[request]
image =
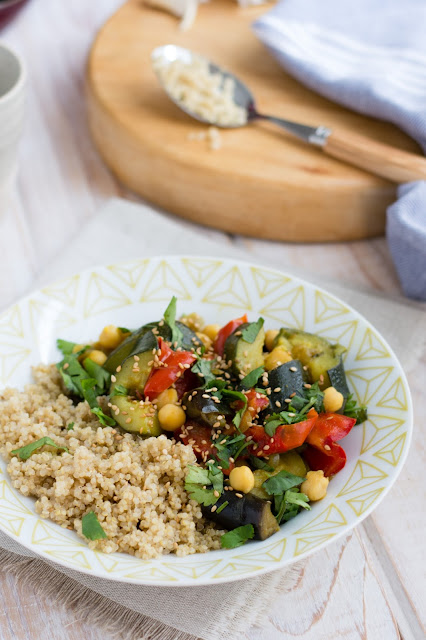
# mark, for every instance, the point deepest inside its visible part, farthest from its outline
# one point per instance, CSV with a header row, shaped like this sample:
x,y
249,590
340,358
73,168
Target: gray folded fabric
x,y
370,56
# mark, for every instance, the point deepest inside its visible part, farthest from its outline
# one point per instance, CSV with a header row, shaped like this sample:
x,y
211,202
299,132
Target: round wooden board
x,y
262,182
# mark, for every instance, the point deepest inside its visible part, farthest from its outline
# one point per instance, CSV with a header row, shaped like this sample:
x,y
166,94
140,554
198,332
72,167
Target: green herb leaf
x,y
271,425
120,390
251,378
203,368
249,334
199,477
280,482
70,427
237,537
90,395
287,506
124,330
258,463
91,527
72,374
231,448
170,319
65,347
222,506
25,452
98,373
353,411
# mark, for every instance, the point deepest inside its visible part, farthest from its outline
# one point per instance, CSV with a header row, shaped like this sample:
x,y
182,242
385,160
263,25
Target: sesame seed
x,y
307,385
136,358
305,368
288,400
128,420
291,415
277,403
239,495
205,395
327,447
216,493
293,368
214,507
292,394
113,379
118,369
277,389
266,447
66,365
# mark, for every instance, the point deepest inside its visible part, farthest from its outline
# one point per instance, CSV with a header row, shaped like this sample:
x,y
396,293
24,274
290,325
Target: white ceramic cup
x,y
12,104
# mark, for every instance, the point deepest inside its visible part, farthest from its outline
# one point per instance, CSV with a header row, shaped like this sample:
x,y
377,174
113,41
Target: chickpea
x,y
193,321
333,400
171,417
169,396
278,356
315,485
204,339
270,336
211,330
99,357
242,479
110,337
78,347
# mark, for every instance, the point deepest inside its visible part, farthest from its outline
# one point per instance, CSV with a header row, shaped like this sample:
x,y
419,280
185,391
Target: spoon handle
x,y
378,158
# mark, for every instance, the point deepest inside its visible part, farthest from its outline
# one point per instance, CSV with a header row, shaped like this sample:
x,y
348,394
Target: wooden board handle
x,y
375,157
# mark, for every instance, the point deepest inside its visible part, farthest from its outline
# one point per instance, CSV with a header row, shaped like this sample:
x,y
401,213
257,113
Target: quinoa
x,y
134,485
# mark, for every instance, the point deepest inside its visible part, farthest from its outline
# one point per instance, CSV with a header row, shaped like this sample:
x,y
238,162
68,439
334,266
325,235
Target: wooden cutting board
x,y
262,182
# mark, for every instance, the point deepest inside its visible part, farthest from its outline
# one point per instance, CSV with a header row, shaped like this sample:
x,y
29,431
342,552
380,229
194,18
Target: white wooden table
x,y
368,585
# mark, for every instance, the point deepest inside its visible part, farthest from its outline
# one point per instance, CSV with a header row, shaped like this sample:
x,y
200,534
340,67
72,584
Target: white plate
x,y
133,293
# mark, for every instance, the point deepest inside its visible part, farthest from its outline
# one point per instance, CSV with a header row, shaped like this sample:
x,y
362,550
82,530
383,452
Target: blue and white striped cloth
x,y
369,55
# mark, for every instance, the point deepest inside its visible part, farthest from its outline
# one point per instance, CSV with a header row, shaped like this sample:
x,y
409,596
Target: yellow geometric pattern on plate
x,y
11,356
307,543
327,308
102,296
394,397
11,323
368,381
41,314
44,533
330,518
362,502
288,309
364,475
130,272
163,284
378,428
13,512
371,347
229,291
66,291
392,452
342,333
193,571
270,553
267,282
236,569
154,574
200,270
76,559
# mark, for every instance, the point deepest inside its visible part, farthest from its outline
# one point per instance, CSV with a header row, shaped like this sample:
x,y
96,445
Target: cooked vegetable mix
x,y
264,411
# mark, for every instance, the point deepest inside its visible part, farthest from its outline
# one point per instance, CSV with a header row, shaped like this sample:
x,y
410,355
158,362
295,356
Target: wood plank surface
x,y
368,585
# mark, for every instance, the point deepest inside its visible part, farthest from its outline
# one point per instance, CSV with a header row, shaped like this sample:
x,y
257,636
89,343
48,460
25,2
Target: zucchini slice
x,y
120,353
190,340
136,418
289,378
245,356
204,410
314,352
135,369
246,510
337,379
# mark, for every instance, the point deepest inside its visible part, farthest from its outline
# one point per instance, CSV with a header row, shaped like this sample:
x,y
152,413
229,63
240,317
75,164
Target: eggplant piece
x,y
337,378
120,353
190,340
245,356
204,410
246,510
288,381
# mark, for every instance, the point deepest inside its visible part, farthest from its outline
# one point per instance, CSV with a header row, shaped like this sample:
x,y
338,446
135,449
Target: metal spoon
x,y
375,157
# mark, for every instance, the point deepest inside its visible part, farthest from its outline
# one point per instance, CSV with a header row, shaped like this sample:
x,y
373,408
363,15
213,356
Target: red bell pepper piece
x,y
225,332
199,437
323,452
255,403
286,437
163,377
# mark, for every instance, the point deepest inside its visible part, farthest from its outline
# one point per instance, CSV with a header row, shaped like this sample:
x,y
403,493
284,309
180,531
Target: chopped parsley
x,y
70,427
258,463
25,452
250,333
288,505
204,484
91,527
280,482
251,378
203,368
170,320
98,373
90,395
237,537
120,390
230,448
353,411
222,506
65,347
